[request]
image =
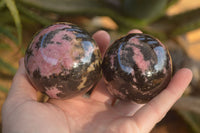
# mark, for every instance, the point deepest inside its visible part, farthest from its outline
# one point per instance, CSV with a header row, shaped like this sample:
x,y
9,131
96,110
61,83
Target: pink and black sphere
x,y
136,67
63,61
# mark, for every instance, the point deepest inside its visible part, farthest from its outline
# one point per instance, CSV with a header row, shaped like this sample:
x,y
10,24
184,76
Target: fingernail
x,y
135,31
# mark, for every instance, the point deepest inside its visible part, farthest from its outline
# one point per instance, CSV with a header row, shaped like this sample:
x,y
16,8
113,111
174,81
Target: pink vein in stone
x,y
54,57
139,59
134,79
53,92
49,29
112,58
164,71
134,40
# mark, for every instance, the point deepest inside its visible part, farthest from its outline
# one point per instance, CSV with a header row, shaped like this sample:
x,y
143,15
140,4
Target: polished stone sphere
x,y
63,61
136,67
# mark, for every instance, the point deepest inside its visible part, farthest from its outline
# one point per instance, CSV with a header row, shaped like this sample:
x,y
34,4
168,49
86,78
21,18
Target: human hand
x,y
22,113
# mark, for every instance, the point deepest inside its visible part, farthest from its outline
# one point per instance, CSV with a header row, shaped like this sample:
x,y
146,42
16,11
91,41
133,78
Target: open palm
x,y
96,114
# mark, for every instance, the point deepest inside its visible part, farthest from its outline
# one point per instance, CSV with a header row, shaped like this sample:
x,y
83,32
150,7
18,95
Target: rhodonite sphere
x,y
63,61
136,67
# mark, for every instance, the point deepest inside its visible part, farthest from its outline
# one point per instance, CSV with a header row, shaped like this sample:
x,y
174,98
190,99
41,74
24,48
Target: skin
x,y
23,114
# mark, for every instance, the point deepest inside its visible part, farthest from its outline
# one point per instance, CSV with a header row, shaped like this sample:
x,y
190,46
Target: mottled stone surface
x,y
63,61
136,67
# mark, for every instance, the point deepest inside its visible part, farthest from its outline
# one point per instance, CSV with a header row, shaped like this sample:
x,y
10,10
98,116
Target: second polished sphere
x,y
136,67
